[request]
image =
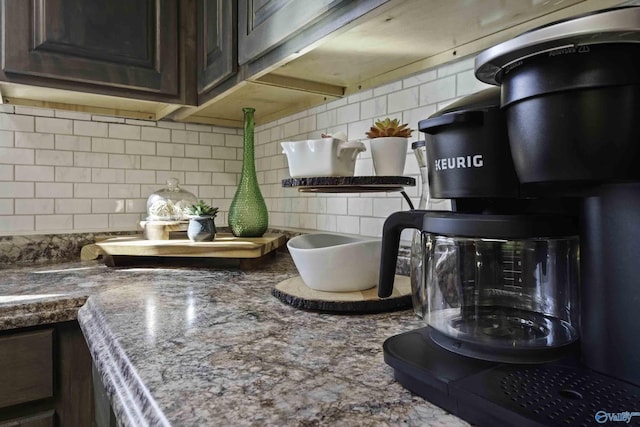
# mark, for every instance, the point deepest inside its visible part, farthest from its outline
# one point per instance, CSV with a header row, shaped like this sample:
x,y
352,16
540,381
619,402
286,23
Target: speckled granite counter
x,y
196,347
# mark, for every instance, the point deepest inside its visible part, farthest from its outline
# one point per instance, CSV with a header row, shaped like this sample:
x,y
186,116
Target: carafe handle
x,y
391,231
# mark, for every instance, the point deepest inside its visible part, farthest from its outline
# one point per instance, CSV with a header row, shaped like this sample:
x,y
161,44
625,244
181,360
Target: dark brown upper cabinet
x,y
216,42
264,24
118,47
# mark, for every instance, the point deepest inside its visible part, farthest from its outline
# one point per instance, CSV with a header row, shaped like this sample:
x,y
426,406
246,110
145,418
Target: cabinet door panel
x,y
119,44
263,24
27,367
217,42
42,419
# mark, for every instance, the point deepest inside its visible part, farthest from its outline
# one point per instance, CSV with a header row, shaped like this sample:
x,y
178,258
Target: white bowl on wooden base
x,y
336,263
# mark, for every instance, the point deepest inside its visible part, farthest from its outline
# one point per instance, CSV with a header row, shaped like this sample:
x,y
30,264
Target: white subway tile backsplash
x,y
155,162
34,206
198,127
67,174
234,166
123,161
90,128
54,190
90,191
371,226
212,139
90,222
120,131
373,108
140,147
17,156
323,120
124,221
438,90
419,79
16,224
135,205
54,222
6,138
183,164
16,190
73,143
403,100
198,178
94,160
348,224
33,140
105,206
156,134
34,173
467,84
54,157
225,153
17,123
73,206
100,175
170,125
49,125
348,113
388,88
383,207
197,151
124,191
6,207
6,172
107,145
360,206
169,150
139,177
185,136
86,172
211,165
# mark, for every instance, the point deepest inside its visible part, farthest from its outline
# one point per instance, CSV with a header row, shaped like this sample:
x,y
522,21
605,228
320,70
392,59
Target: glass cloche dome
x,y
169,203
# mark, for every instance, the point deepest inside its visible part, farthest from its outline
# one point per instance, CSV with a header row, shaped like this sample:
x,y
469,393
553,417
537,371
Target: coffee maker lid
x,y
466,110
615,25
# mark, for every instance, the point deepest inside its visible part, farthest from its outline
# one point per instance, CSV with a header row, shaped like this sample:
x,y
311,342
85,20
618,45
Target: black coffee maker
x,y
533,281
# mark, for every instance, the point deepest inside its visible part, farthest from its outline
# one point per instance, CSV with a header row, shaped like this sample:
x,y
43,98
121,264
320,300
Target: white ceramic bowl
x,y
335,263
321,157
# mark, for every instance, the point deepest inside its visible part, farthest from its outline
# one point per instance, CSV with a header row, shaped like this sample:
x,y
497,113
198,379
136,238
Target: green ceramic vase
x,y
248,216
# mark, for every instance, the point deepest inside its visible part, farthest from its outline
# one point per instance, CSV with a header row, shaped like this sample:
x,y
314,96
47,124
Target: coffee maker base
x,y
489,394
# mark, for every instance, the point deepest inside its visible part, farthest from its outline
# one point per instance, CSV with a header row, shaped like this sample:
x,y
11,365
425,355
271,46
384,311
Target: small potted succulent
x,y
389,145
201,226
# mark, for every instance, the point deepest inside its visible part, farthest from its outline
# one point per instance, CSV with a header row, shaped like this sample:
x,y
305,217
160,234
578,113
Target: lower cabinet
x,y
45,377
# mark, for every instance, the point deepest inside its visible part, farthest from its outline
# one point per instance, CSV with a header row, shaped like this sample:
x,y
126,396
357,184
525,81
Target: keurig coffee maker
x,y
532,282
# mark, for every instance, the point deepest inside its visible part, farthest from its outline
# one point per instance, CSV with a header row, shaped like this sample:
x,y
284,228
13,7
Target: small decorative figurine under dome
x,y
170,203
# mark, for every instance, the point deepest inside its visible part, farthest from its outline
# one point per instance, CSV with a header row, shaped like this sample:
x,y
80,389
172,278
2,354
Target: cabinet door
x,y
107,47
216,42
26,367
263,24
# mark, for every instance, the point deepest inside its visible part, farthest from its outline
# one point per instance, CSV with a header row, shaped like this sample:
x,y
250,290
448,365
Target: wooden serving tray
x,y
118,251
295,292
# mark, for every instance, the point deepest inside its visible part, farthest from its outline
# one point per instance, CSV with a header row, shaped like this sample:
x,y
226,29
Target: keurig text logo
x,y
474,161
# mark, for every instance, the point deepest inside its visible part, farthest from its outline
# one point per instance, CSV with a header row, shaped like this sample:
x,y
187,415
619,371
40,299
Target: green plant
x,y
202,209
388,127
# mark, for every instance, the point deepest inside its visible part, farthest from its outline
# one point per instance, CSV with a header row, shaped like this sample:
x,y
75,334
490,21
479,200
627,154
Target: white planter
x,y
389,155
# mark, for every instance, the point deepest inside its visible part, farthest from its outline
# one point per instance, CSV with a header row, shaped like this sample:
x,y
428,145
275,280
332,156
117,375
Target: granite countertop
x,y
199,346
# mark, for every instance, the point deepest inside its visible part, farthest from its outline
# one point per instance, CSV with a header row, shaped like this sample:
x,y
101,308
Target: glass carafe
x,y
418,249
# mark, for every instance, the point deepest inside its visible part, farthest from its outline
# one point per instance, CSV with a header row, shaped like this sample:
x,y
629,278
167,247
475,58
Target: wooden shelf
x,y
350,184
